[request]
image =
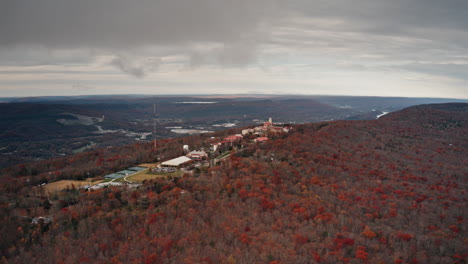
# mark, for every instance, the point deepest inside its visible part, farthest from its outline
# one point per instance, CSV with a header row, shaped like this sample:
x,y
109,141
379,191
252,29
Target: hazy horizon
x,y
214,96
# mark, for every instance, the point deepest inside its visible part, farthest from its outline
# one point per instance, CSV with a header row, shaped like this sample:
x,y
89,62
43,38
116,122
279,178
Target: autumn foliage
x,y
382,191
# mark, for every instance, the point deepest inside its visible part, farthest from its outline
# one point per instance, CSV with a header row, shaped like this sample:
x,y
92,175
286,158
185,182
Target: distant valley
x,y
47,127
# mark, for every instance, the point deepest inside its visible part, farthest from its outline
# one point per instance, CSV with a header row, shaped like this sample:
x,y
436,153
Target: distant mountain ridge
x,y
328,99
37,128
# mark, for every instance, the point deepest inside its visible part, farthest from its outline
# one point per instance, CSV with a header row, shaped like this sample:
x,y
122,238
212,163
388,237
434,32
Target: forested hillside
x,y
392,190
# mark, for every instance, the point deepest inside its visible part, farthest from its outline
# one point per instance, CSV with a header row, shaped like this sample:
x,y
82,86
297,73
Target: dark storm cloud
x,y
136,28
126,67
135,69
124,23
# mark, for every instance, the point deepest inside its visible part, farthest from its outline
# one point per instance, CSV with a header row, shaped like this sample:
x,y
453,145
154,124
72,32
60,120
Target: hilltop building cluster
x,y
267,127
261,132
256,135
230,141
221,149
195,155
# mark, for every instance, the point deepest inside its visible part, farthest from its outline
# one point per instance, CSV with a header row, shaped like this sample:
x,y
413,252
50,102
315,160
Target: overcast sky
x,y
416,48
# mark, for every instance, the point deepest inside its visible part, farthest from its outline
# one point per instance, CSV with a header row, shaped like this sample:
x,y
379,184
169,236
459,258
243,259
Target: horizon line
x,y
227,95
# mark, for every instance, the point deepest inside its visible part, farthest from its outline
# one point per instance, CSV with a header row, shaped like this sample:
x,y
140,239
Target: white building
x,y
176,162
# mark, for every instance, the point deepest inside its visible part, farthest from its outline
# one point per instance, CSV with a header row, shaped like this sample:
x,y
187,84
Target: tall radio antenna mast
x,y
154,126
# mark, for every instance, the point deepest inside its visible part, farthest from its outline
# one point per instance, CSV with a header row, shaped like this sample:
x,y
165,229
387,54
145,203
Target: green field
x,y
146,175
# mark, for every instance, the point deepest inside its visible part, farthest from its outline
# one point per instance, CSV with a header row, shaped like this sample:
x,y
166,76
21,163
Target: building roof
x,y
177,161
260,139
233,138
197,152
45,219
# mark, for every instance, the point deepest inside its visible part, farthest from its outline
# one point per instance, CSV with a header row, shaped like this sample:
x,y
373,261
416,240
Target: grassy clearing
x,y
139,177
62,185
107,180
76,151
148,165
129,178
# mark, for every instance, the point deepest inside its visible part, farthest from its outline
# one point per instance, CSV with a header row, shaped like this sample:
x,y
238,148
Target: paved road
x,y
125,179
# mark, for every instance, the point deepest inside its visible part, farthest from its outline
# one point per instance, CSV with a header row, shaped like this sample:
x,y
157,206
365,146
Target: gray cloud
x,y
126,67
135,69
123,24
142,27
459,71
238,26
142,36
236,54
383,16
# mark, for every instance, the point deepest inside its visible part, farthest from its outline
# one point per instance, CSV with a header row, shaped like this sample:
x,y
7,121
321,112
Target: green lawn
x,y
146,175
